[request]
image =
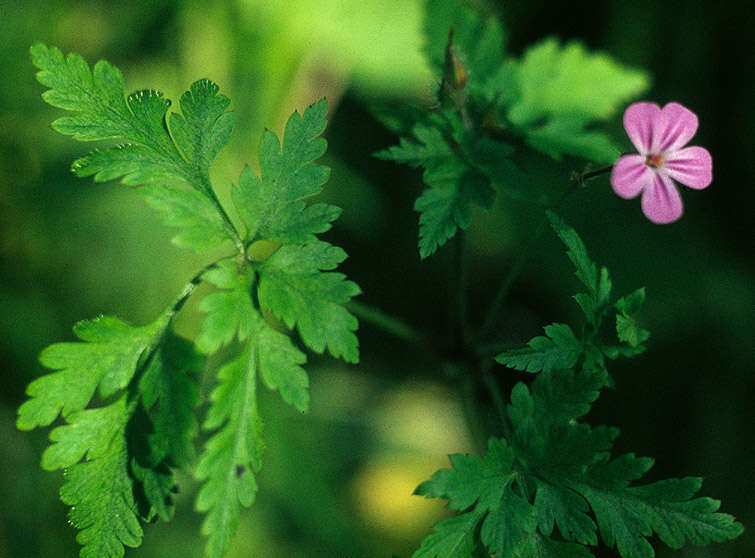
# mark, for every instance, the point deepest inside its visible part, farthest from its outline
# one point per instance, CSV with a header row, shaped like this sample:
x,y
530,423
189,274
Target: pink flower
x,y
660,135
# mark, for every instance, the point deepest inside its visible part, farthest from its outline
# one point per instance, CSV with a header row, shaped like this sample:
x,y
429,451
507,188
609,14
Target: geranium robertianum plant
x,y
548,484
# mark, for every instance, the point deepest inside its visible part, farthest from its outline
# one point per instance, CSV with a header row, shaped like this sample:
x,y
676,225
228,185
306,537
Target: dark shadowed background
x,y
338,481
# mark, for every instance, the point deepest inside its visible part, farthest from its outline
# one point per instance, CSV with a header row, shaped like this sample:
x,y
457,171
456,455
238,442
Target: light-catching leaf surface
x,y
165,159
272,206
107,357
295,285
562,90
233,454
100,490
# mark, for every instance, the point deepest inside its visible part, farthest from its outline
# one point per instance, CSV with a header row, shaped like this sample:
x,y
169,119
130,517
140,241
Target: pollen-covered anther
x,y
655,161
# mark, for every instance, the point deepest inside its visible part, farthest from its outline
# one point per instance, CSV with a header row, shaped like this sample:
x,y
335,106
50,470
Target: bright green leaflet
x,y
548,100
163,161
107,357
570,89
297,284
120,458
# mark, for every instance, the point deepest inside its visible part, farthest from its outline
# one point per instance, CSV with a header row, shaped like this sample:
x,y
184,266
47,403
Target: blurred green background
x,y
337,481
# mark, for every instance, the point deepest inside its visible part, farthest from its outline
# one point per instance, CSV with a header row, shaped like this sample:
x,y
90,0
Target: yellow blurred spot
x,y
425,417
383,495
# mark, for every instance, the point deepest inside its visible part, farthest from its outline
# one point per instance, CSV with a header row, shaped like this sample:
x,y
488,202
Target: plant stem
x,y
459,296
593,174
385,322
498,401
207,187
521,260
508,282
189,289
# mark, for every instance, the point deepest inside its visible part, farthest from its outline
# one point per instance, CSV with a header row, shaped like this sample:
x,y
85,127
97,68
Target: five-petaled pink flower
x,y
660,135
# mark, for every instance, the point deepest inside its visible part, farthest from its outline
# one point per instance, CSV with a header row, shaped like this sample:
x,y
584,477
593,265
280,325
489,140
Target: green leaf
x,y
280,367
452,538
230,311
454,184
151,156
562,90
201,227
626,514
205,127
233,454
169,395
484,488
508,525
627,328
295,288
271,206
559,350
100,489
568,510
568,462
107,357
598,284
472,479
158,487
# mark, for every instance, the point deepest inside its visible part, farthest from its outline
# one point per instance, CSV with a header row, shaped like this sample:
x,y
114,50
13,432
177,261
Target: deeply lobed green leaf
x,y
233,454
295,288
99,490
560,349
107,356
165,160
562,90
271,206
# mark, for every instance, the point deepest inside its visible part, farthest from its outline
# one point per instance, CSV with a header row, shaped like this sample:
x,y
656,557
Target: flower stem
x,y
385,322
592,174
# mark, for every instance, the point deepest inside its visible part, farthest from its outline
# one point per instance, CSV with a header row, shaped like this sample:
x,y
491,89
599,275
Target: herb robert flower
x,y
659,134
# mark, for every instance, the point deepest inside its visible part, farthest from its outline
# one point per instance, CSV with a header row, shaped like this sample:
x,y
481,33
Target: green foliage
x,y
572,473
562,90
555,470
295,288
169,395
107,358
100,490
491,485
272,206
233,454
165,154
489,102
598,284
451,161
558,350
120,457
577,487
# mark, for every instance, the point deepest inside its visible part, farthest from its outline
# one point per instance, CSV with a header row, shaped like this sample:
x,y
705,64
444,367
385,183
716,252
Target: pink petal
x,y
692,166
639,120
630,175
673,128
661,202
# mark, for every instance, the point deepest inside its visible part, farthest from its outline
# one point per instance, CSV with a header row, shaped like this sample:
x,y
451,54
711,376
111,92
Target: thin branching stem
x,y
385,322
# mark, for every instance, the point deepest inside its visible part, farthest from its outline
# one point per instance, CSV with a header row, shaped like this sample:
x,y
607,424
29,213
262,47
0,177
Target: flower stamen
x,y
655,161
